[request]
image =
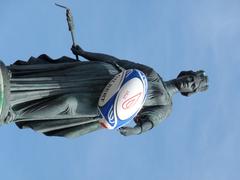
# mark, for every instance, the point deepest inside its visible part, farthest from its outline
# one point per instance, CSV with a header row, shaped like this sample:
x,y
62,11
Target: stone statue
x,y
59,97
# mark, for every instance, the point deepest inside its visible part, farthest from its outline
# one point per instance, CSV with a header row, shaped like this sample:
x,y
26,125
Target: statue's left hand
x,y
127,131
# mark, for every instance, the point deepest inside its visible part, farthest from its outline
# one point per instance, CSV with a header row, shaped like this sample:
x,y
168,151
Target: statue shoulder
x,y
154,76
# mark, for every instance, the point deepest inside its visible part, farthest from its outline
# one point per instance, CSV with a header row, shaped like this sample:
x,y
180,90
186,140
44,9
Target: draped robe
x,y
59,97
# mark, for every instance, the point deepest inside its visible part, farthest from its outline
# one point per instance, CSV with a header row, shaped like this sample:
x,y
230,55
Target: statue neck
x,y
171,87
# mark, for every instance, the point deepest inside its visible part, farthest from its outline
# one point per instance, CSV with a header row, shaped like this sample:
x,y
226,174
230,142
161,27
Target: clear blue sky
x,y
199,141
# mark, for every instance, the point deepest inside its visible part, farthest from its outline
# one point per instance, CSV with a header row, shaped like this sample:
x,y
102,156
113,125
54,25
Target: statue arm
x,y
148,118
77,50
119,63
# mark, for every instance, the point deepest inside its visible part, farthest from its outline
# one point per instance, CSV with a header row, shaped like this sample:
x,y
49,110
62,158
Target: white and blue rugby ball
x,y
122,98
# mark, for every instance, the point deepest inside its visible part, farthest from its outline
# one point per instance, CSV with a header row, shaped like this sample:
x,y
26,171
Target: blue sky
x,y
200,140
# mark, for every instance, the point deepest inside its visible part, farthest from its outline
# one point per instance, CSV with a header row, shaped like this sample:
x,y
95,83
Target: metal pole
x,y
70,24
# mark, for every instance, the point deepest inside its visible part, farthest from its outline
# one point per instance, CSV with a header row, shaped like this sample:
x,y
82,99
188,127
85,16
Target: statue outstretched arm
x,y
119,63
77,50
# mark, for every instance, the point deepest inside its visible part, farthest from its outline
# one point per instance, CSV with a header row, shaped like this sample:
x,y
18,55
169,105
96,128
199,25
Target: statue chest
x,y
157,95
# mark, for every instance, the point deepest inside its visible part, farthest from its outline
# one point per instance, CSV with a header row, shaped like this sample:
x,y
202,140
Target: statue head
x,y
190,82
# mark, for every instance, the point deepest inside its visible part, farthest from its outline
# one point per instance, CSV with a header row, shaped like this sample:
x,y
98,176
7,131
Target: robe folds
x,y
59,97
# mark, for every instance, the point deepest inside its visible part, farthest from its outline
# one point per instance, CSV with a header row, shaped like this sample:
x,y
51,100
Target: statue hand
x,y
127,131
77,50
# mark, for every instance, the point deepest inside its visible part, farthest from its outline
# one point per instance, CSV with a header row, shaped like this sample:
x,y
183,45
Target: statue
x,y
59,97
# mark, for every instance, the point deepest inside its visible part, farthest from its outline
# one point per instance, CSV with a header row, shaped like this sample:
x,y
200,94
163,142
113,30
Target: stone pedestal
x,y
4,92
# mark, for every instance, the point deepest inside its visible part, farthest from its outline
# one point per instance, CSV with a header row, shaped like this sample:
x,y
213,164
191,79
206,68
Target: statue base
x,y
4,92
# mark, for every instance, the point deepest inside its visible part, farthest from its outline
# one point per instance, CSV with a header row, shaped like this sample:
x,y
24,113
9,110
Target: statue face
x,y
187,83
190,82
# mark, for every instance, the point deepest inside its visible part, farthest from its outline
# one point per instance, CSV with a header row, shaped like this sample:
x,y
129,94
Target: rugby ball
x,y
122,98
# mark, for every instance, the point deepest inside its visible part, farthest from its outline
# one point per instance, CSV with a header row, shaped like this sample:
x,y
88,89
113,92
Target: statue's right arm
x,y
125,64
77,50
